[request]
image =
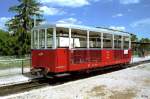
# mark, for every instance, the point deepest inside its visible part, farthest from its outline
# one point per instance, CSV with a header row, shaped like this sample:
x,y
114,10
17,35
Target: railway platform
x,y
13,79
139,59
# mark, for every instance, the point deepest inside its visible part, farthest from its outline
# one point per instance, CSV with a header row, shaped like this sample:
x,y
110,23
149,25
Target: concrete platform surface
x,y
139,59
13,79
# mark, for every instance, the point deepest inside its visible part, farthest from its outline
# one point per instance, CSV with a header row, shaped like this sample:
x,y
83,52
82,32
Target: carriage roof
x,y
82,27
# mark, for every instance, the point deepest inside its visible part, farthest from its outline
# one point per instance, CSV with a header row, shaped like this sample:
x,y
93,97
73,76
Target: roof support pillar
x,y
70,38
113,41
54,38
122,42
129,42
38,36
101,40
88,32
45,38
32,36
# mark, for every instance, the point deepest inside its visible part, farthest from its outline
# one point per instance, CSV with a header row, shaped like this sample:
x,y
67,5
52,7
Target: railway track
x,y
42,82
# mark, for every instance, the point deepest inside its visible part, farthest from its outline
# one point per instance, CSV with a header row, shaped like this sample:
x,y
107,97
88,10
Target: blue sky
x,y
128,15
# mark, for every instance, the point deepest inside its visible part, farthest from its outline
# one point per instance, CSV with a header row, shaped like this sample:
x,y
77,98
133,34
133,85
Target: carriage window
x,y
126,42
94,40
79,38
117,41
42,38
62,37
35,39
107,40
49,38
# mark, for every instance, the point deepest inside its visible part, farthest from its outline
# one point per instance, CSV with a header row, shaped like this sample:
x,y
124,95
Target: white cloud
x,y
67,3
129,1
124,2
122,28
141,23
51,11
69,21
117,15
3,21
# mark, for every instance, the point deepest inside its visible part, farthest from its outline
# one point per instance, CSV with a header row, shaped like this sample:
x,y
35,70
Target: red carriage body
x,y
63,48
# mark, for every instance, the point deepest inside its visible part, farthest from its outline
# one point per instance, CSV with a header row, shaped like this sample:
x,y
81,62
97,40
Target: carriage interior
x,y
44,39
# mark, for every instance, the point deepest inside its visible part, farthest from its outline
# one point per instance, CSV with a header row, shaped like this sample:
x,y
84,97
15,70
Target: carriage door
x,y
62,49
61,60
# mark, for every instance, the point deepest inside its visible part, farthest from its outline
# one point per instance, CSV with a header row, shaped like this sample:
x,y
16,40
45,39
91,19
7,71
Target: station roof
x,y
82,27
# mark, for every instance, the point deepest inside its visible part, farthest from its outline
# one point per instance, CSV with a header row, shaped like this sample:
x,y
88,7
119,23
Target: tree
x,y
7,43
3,38
144,46
134,38
22,23
145,40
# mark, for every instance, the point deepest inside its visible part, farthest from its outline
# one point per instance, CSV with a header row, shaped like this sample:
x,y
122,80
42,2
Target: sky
x,y
127,15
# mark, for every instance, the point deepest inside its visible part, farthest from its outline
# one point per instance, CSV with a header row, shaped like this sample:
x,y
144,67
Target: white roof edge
x,y
82,27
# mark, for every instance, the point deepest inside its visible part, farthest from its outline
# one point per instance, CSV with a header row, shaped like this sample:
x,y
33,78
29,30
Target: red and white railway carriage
x,y
59,48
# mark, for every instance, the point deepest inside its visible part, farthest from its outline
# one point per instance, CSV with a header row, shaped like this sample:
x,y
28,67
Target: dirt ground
x,y
130,83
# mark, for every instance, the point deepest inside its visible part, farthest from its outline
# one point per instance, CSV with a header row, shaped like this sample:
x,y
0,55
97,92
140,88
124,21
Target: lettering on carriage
x,y
107,55
125,51
41,54
88,65
60,67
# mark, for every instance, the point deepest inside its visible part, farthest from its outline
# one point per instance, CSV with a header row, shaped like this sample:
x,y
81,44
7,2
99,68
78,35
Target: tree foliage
x,y
22,23
6,43
134,38
145,47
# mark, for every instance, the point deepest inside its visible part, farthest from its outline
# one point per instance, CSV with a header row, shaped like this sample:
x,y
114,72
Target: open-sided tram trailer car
x,y
59,48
